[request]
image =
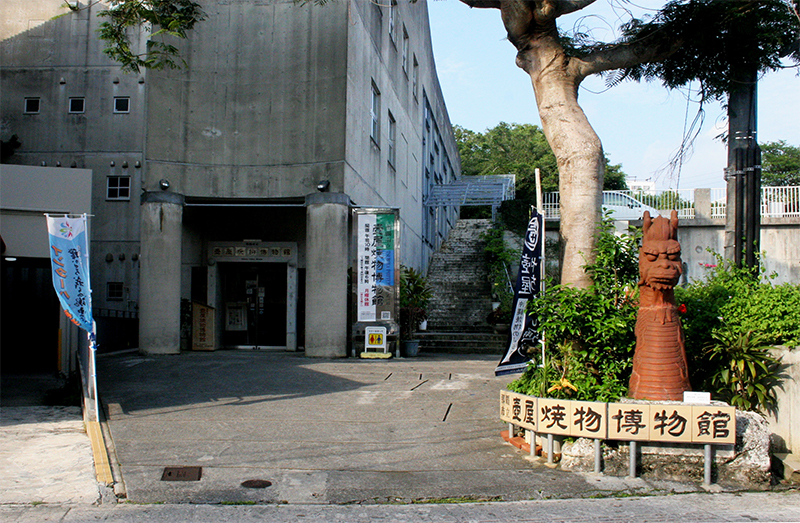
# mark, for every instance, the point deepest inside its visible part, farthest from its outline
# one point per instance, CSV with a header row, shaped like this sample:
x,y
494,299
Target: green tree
x,y
709,41
780,164
519,149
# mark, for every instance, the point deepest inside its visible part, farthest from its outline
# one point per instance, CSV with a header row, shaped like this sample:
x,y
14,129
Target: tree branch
x,y
570,6
483,4
622,55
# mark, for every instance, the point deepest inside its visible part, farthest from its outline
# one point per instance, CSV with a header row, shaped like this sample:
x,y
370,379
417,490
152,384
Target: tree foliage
x,y
519,149
780,164
163,18
715,42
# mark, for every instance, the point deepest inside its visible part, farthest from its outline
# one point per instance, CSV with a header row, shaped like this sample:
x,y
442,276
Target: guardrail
x,y
776,202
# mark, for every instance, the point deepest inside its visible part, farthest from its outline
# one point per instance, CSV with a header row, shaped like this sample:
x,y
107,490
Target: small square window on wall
x,y
31,106
77,105
118,188
115,291
122,104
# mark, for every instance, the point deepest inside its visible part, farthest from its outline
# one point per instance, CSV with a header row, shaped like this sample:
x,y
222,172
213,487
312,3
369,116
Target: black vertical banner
x,y
523,335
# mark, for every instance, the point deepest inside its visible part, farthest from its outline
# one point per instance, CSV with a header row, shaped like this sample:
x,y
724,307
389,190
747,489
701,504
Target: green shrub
x,y
590,332
738,300
745,374
415,295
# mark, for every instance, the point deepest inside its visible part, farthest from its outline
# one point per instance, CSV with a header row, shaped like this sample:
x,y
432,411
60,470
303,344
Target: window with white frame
x,y
122,104
405,50
392,141
32,106
375,115
77,105
118,188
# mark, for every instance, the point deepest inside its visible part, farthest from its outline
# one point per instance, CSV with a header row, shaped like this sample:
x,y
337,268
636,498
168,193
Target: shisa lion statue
x,y
659,364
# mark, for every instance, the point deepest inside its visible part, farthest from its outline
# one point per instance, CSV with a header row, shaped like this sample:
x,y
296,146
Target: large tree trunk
x,y
576,147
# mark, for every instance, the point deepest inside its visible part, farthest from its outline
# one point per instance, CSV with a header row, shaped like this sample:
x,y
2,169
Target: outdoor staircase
x,y
461,295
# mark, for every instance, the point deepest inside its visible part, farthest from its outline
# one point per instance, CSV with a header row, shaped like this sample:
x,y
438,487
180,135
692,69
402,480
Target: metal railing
x,y
776,202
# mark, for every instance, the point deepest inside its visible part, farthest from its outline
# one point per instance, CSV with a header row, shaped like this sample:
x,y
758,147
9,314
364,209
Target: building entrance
x,y
254,295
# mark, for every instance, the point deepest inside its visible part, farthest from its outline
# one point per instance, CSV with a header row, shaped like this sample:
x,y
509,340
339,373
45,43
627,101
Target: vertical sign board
x,y
518,409
202,327
377,265
523,333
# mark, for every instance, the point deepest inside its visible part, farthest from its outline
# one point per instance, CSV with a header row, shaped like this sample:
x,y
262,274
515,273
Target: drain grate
x,y
182,474
256,483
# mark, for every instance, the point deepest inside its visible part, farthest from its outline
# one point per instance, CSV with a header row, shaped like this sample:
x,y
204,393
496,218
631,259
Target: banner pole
x,y
540,208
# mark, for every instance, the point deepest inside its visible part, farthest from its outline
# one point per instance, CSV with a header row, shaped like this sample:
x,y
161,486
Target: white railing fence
x,y
776,202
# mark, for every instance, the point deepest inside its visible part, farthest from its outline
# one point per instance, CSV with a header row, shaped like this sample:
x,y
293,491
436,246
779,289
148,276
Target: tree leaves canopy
x,y
519,149
780,164
161,17
714,42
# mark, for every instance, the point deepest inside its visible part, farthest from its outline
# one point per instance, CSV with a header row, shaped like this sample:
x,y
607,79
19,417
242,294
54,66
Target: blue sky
x,y
640,125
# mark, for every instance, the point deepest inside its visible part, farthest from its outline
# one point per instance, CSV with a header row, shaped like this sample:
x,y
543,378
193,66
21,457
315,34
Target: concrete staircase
x,y
461,295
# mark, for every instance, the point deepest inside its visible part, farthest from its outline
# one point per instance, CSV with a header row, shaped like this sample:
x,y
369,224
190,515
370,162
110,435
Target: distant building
x,y
641,186
230,182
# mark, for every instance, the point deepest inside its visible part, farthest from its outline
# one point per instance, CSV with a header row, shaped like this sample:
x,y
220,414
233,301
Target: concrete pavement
x,y
331,440
747,507
324,431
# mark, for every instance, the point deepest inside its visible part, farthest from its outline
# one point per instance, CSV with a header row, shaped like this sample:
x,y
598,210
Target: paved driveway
x,y
321,431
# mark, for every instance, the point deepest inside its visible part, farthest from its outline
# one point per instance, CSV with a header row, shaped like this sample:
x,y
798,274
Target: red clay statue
x,y
659,363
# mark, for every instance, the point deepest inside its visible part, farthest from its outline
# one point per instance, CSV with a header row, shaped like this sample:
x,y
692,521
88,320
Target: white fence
x,y
776,202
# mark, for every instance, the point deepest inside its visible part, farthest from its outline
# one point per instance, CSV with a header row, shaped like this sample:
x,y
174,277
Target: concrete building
x,y
35,337
231,182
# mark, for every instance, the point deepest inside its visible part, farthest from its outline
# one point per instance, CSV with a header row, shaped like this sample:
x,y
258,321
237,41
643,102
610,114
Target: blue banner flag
x,y
524,335
69,258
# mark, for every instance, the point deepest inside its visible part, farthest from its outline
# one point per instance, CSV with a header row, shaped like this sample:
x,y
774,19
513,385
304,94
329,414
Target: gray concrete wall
x,y
376,57
55,59
27,192
259,109
785,424
780,245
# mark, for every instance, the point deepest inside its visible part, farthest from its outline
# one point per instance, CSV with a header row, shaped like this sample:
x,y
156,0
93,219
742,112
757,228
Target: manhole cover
x,y
256,483
182,474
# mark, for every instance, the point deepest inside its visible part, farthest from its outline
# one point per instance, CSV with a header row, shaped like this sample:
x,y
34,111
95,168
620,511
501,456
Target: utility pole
x,y
743,175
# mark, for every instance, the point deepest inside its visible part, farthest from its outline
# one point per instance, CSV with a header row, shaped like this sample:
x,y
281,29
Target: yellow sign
x,y
375,338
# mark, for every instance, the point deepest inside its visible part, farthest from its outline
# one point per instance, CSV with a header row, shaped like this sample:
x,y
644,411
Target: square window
x,y
31,106
77,105
122,104
115,291
118,188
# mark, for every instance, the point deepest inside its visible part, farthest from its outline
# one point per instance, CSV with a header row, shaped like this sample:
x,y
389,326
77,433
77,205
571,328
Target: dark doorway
x,y
254,296
29,318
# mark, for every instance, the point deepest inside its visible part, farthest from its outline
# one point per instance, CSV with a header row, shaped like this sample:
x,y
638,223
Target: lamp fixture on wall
x,y
164,184
324,186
